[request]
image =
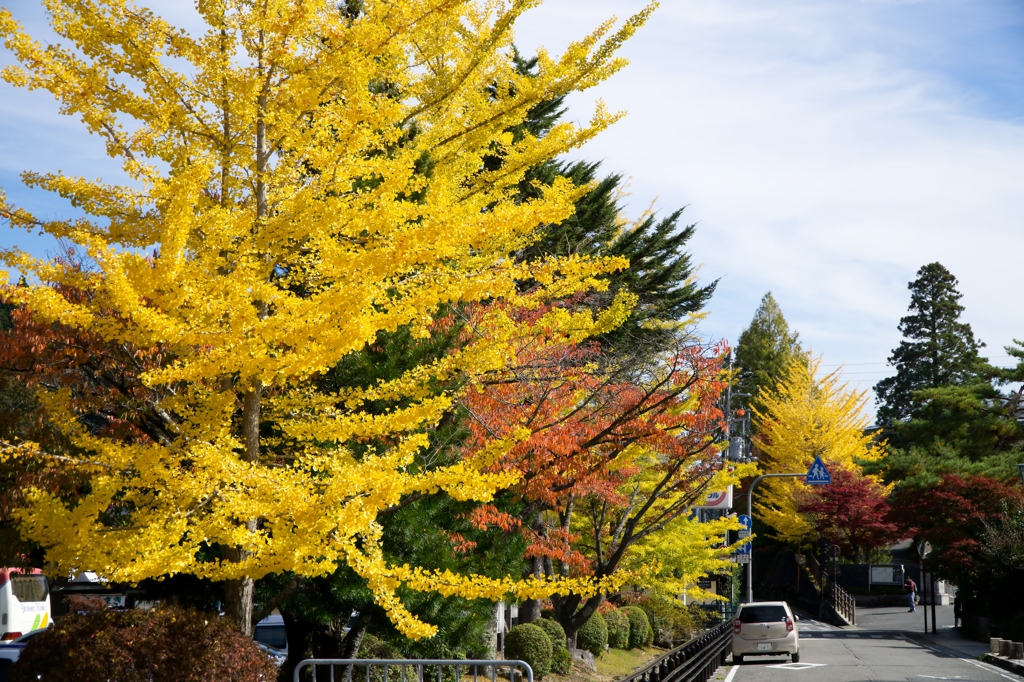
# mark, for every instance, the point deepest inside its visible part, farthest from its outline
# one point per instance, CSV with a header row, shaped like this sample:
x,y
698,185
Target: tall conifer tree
x,y
937,349
763,352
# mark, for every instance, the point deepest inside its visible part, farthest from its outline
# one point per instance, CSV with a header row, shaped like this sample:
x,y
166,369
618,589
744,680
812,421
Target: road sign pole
x,y
817,474
750,513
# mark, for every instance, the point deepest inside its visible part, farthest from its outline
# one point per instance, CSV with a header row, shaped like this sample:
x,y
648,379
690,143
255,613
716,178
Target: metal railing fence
x,y
695,661
412,670
843,604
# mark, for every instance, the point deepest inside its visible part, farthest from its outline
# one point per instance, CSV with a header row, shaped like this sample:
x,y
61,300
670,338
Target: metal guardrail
x,y
695,661
412,670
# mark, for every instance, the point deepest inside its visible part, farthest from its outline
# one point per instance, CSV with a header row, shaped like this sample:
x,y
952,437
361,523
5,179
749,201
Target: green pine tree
x,y
941,412
937,349
763,351
661,272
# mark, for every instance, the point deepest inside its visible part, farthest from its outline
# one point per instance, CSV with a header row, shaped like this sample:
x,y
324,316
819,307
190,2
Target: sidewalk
x,y
891,618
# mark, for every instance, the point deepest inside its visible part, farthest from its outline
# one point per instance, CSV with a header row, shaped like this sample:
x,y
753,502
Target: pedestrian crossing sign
x,y
818,474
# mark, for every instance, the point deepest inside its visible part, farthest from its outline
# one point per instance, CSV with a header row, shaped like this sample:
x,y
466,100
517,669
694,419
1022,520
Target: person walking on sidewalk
x,y
911,589
958,609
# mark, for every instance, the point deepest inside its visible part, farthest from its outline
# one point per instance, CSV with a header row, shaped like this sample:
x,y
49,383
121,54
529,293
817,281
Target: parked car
x,y
765,628
270,632
9,652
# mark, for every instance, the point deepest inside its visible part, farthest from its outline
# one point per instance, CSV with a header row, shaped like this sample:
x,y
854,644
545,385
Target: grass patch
x,y
616,663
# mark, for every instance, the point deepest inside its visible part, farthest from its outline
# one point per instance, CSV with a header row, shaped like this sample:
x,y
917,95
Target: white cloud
x,y
825,157
828,149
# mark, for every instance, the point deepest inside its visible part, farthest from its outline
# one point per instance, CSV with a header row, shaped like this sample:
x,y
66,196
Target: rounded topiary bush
x,y
661,622
166,645
593,635
528,642
561,661
640,632
553,630
618,628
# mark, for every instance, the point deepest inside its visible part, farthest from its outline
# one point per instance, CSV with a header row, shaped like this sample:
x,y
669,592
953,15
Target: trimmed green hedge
x,y
618,628
640,632
553,630
528,642
593,635
561,661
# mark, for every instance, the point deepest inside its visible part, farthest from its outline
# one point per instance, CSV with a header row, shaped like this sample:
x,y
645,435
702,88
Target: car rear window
x,y
29,587
762,614
271,635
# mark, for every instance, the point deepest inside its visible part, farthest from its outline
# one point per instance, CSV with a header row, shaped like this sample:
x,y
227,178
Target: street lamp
x,y
1021,467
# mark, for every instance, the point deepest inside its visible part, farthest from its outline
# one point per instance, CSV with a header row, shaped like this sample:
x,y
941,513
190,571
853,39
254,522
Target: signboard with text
x,y
717,500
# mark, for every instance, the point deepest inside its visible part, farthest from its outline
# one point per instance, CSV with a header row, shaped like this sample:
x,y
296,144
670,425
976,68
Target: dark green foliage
x,y
1013,628
167,645
528,642
660,271
618,628
763,352
593,635
640,632
941,412
561,661
554,631
937,348
660,616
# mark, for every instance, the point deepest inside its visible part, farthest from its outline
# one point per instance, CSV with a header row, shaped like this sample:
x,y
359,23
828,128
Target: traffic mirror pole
x,y
750,513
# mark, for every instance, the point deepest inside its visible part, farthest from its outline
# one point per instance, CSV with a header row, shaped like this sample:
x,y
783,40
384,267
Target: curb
x,y
1004,663
952,651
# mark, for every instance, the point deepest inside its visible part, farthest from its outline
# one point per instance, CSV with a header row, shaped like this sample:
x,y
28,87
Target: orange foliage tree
x,y
611,450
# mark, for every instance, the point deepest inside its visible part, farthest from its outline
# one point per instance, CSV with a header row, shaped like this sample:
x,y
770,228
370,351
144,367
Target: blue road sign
x,y
745,547
818,474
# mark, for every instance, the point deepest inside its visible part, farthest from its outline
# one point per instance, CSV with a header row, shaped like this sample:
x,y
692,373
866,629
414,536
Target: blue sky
x,y
826,150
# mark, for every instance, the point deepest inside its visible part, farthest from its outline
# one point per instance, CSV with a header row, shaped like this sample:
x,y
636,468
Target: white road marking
x,y
991,668
732,673
932,677
797,666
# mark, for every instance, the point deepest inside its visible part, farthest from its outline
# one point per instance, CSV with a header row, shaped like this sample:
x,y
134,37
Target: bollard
x,y
993,645
1005,647
1018,650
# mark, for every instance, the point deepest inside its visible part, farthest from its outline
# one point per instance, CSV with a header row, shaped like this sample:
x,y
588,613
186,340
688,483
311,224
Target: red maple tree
x,y
952,515
852,513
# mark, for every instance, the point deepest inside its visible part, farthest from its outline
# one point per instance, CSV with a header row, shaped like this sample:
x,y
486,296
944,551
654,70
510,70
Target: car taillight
x,y
10,635
789,624
736,626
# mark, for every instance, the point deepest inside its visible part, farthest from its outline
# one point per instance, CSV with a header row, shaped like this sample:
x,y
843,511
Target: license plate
x,y
764,647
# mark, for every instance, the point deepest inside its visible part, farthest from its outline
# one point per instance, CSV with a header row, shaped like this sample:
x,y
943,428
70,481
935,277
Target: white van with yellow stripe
x,y
24,602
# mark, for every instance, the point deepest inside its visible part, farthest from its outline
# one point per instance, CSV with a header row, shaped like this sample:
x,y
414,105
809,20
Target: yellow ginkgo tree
x,y
806,416
298,178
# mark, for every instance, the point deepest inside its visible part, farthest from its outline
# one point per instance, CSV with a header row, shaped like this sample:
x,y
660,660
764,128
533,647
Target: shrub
x,y
618,628
554,632
167,645
528,642
561,661
671,620
593,635
660,616
640,633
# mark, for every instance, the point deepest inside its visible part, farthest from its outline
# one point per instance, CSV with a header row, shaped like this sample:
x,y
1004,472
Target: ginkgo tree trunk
x,y
297,179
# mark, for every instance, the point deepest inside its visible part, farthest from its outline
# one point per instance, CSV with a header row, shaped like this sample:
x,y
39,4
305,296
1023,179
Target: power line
x,y
861,364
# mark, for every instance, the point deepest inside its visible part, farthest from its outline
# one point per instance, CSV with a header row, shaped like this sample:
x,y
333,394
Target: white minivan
x,y
24,602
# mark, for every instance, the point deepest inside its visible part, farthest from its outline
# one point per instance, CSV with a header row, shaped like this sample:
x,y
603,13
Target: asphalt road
x,y
859,656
